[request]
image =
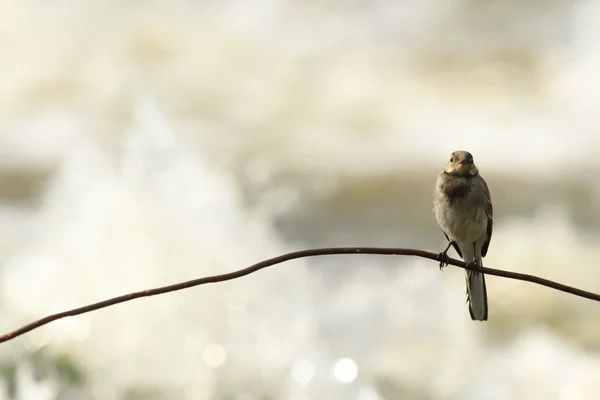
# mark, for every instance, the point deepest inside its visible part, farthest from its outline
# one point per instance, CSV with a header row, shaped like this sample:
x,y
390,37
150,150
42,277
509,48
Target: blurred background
x,y
143,143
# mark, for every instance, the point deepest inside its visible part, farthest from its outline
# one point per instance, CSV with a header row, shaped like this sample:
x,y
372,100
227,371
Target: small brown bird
x,y
463,209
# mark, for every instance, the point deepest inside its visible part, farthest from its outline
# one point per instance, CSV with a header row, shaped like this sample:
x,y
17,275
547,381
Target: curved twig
x,y
287,257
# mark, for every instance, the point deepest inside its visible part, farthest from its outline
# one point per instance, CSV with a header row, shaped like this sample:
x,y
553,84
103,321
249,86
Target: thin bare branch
x,y
287,257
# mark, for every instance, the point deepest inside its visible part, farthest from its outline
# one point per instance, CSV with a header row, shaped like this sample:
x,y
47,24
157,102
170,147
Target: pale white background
x,y
144,143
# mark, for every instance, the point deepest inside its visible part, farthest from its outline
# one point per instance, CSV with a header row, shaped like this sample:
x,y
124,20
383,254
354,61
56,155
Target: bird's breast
x,y
456,188
459,210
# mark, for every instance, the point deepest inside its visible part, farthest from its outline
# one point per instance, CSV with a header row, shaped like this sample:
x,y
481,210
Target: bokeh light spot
x,y
345,370
214,355
302,371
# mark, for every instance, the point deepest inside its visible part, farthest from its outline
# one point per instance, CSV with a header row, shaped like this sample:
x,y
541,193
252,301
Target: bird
x,y
463,209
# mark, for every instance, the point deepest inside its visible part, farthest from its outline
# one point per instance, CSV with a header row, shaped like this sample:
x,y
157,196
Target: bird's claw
x,y
474,267
443,259
443,256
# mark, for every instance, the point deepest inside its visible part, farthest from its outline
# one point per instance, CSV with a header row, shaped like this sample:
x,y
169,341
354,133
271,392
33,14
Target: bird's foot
x,y
475,267
443,256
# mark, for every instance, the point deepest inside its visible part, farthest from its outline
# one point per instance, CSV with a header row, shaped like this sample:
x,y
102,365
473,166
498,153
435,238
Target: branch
x,y
287,257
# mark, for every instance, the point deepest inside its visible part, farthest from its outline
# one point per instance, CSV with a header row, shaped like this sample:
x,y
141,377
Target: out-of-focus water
x,y
147,143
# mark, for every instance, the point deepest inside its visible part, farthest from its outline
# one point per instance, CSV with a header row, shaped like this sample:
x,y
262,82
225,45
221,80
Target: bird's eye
x,y
451,159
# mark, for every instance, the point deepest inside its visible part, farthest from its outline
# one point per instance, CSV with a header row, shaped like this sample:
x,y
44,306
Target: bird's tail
x,y
477,296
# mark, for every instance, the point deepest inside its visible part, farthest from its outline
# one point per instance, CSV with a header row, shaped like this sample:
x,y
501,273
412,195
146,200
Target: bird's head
x,y
461,164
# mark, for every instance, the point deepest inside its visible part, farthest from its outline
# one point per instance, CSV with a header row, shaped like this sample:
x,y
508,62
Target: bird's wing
x,y
453,245
489,212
